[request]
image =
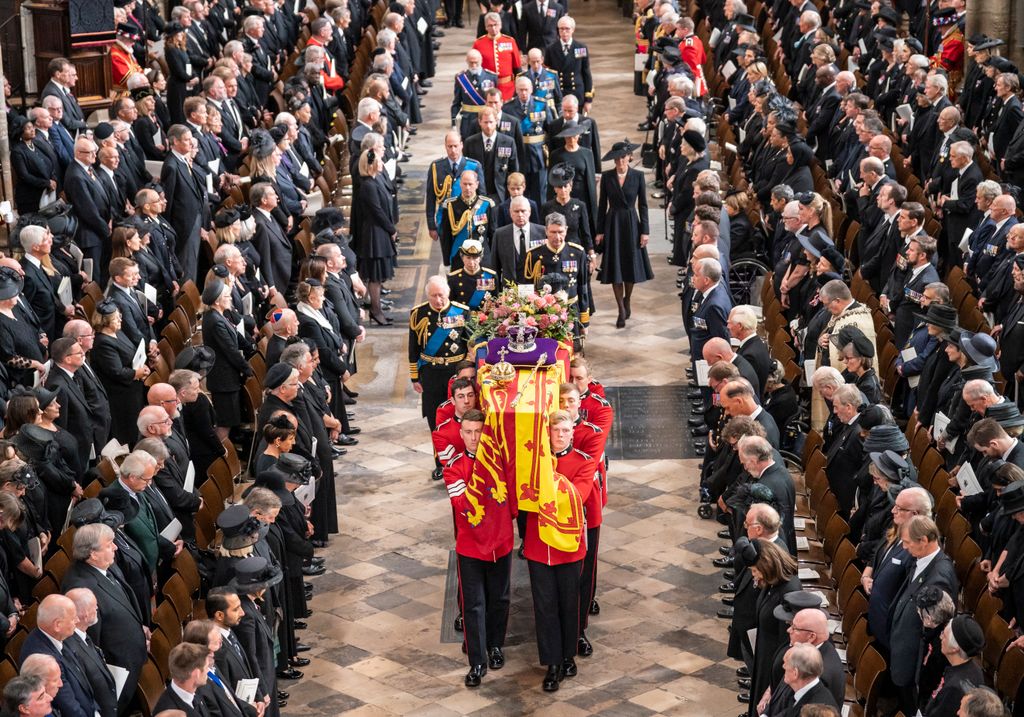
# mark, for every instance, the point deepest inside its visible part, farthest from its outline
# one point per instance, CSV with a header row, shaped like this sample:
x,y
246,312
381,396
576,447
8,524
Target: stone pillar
x,y
998,18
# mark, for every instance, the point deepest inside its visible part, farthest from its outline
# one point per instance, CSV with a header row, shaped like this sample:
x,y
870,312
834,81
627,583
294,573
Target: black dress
x,y
584,184
112,362
145,129
19,343
622,224
178,76
225,379
374,224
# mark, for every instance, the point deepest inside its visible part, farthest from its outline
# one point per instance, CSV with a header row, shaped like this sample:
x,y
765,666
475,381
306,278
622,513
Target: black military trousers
x,y
556,606
485,590
588,575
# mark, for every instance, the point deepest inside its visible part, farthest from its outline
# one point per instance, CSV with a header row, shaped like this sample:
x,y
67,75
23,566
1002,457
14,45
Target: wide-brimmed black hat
x,y
890,463
940,315
10,283
239,528
213,291
815,243
620,149
1011,500
119,503
573,130
196,358
44,395
969,373
1006,414
886,437
794,602
888,14
743,21
253,574
980,347
989,43
1001,64
561,175
296,468
92,510
226,217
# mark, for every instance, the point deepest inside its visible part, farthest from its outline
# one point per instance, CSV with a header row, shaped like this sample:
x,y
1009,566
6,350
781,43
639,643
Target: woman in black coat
x,y
623,228
316,324
111,359
148,128
181,75
230,369
373,222
199,419
741,234
775,574
581,160
799,159
21,339
35,167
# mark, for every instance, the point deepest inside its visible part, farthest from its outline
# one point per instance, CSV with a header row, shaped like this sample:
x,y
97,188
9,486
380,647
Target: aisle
x,y
376,627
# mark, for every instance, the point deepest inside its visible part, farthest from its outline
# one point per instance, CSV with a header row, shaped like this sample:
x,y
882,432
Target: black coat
x,y
276,250
169,700
34,170
501,161
539,30
95,669
90,205
112,361
777,477
187,210
844,458
770,635
257,640
134,321
756,353
504,256
229,366
75,414
905,628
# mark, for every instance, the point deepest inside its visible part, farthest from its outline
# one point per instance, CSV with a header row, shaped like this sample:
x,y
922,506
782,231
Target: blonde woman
x,y
373,224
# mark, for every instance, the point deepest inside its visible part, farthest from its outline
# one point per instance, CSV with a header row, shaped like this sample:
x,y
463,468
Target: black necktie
x,y
522,242
233,641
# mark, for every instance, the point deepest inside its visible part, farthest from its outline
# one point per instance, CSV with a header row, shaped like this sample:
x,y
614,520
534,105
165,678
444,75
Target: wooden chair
x,y
159,650
185,566
869,678
57,565
212,497
220,473
998,636
13,647
1010,673
8,669
178,594
47,585
166,618
151,686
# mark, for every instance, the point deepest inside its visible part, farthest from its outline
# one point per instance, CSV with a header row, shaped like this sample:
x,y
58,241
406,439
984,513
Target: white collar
x,y
317,316
805,689
188,697
54,641
33,260
924,562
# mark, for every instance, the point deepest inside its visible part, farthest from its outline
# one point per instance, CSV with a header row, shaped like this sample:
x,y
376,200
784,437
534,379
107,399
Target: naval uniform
x,y
572,63
437,341
570,260
459,220
470,289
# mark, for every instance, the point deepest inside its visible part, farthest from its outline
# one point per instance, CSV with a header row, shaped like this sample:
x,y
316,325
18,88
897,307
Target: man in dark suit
x,y
989,246
845,454
758,459
270,239
957,198
1008,115
821,111
170,478
187,206
55,622
120,630
63,78
540,24
187,665
87,197
718,349
48,127
124,277
709,316
902,296
40,290
929,566
877,250
496,153
76,415
803,667
508,251
95,393
79,644
742,325
224,608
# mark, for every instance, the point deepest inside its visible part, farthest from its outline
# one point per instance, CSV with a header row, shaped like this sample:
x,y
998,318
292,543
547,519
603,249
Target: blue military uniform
x,y
708,318
443,183
469,99
458,221
545,87
532,118
470,289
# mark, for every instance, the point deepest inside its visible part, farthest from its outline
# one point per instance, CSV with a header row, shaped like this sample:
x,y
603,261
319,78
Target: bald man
x,y
810,626
285,325
95,393
56,620
92,208
719,349
165,396
89,657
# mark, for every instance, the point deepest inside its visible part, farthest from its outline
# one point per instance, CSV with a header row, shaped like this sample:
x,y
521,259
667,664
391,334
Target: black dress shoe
x,y
347,441
459,624
552,678
438,33
729,575
338,452
521,553
699,431
426,83
742,671
725,534
583,646
282,695
299,624
290,674
727,588
743,697
744,683
298,662
495,658
348,400
722,562
476,672
725,550
695,421
353,431
309,594
438,474
595,609
700,451
728,600
317,543
314,570
569,667
694,394
725,612
349,415
281,704
301,647
308,613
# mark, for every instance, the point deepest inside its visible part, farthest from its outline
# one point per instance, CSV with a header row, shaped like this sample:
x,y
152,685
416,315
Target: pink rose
x,y
550,300
530,321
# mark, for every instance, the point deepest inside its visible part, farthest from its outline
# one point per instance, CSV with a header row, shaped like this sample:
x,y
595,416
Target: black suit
x,y
41,294
112,359
170,700
756,354
95,669
75,415
187,210
276,250
505,256
99,403
134,322
540,30
118,630
777,478
844,458
816,695
1008,119
257,640
73,118
90,204
497,164
75,697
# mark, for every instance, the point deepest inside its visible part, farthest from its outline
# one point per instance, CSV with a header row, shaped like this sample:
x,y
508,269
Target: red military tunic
x,y
596,409
579,468
596,386
950,56
590,439
331,79
692,51
446,410
492,538
501,56
447,440
122,64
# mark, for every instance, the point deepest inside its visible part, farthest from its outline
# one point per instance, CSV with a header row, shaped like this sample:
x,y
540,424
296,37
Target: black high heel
x,y
386,321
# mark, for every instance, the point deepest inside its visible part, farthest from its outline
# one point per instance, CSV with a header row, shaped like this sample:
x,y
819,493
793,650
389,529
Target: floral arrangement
x,y
545,311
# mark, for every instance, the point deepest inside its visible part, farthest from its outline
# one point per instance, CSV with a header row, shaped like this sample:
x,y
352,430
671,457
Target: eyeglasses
x,y
169,400
901,509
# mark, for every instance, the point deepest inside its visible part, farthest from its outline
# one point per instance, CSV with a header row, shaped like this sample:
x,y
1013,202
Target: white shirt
x,y
184,695
54,641
923,563
803,690
917,271
33,260
1009,450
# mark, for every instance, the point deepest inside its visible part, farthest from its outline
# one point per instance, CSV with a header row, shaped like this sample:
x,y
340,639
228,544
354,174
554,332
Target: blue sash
x,y
467,231
456,188
440,333
471,92
478,296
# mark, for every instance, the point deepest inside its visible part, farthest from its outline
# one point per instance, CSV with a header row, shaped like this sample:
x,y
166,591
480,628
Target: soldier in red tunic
x,y
122,58
692,51
446,437
485,565
500,55
463,369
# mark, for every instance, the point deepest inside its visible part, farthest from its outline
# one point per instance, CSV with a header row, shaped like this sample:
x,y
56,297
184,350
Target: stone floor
x,y
376,628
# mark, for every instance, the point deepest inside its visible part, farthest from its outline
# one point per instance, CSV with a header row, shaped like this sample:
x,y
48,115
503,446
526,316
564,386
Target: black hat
x,y
213,291
815,244
91,510
980,347
989,43
834,257
36,434
328,218
44,395
261,144
914,44
940,315
239,529
744,21
890,463
968,634
976,371
695,139
220,271
888,14
886,43
794,602
573,130
977,38
226,217
944,16
928,596
845,336
671,55
620,149
278,132
863,346
104,130
1011,500
1001,64
126,30
295,467
277,375
253,574
561,175
873,415
25,476
886,437
742,48
173,28
196,358
1006,414
10,283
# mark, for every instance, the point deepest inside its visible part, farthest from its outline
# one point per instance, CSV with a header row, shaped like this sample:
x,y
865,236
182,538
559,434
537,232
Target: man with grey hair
x,y
998,296
171,478
121,631
26,696
709,308
802,667
955,203
511,243
758,458
557,256
55,622
39,291
80,644
50,672
742,325
86,195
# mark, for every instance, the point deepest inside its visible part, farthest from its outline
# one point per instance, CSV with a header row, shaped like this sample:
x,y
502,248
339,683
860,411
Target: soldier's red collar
x,y
565,451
